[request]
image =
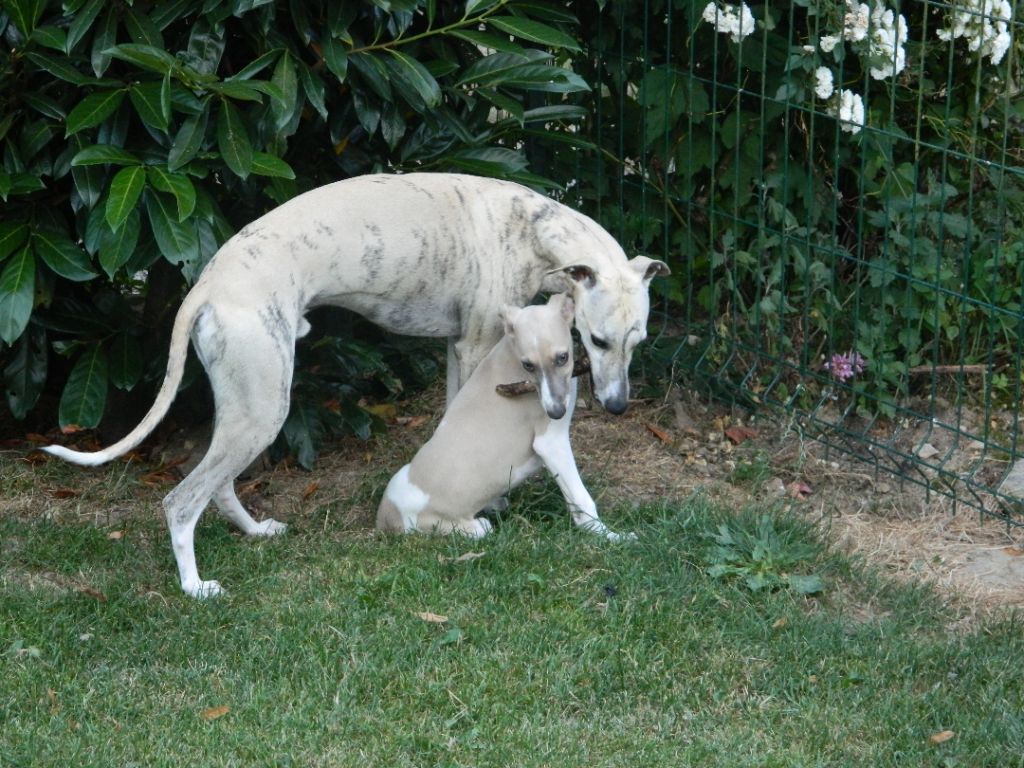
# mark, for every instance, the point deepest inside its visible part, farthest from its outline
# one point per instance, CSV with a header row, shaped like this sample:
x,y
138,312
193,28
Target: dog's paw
x,y
202,590
483,526
613,536
269,528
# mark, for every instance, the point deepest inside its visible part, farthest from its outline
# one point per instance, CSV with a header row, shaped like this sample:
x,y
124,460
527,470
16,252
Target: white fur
x,y
407,497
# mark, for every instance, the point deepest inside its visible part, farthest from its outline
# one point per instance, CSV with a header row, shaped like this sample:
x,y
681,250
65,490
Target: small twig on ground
x,y
976,368
579,367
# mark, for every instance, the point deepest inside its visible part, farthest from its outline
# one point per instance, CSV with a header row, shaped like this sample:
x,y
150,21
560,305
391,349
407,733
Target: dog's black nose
x,y
616,405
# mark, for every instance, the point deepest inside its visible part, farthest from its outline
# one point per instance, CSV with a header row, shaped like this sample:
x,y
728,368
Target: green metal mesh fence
x,y
840,193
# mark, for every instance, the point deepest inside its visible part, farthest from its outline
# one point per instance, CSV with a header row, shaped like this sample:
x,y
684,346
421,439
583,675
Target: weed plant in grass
x,y
557,649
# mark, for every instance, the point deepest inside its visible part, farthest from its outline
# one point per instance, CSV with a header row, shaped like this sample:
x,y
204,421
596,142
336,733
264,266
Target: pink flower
x,y
846,366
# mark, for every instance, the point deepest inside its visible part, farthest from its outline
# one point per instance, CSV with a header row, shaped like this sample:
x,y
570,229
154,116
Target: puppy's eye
x,y
528,366
599,342
561,358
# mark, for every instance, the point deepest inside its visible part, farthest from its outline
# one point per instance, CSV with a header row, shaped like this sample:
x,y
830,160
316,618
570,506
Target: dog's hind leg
x,y
249,362
231,508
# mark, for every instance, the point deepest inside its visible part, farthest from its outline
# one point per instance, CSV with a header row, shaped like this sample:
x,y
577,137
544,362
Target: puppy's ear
x,y
564,304
580,274
649,268
568,309
508,315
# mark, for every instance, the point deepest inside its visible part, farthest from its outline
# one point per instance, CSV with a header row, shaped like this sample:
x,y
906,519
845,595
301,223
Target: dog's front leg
x,y
555,451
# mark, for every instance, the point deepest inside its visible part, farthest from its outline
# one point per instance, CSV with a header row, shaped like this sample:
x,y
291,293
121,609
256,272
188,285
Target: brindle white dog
x,y
420,254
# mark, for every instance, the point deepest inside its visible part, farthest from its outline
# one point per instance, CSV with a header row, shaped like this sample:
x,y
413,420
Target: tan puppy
x,y
487,444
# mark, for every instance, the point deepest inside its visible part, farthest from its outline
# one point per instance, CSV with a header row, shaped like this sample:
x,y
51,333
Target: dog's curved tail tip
x,y
83,458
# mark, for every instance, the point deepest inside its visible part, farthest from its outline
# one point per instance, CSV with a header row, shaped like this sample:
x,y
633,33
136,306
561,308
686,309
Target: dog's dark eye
x,y
528,366
561,358
599,343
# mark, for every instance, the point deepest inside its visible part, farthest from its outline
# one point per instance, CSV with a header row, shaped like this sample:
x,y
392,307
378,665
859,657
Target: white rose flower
x,y
823,86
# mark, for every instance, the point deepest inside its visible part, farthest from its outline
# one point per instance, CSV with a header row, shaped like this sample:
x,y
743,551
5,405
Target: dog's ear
x,y
580,274
508,315
649,268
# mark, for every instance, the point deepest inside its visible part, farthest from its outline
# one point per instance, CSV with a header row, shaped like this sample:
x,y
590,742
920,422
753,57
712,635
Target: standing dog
x,y
420,254
487,444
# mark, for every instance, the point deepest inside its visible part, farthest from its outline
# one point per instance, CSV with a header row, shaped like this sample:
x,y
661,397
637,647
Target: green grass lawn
x,y
558,650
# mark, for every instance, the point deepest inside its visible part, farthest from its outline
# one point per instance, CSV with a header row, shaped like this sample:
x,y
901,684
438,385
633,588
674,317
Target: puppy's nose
x,y
556,411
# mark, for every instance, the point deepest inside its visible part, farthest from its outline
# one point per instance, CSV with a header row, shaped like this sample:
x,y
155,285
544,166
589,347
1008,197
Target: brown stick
x,y
919,369
580,366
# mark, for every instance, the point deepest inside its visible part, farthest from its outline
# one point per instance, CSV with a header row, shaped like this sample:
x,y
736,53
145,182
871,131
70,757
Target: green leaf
x,y
488,40
152,102
83,20
117,247
25,374
472,6
314,88
177,184
59,68
103,38
555,112
489,161
534,31
805,585
93,110
13,235
101,154
125,189
269,165
257,65
373,72
392,126
124,356
188,141
416,76
205,46
25,14
62,256
17,294
335,57
493,68
176,240
44,105
142,30
145,56
50,37
506,103
85,394
233,140
285,79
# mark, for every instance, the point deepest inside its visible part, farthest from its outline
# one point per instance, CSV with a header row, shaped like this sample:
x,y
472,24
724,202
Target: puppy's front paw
x,y
269,527
613,536
202,590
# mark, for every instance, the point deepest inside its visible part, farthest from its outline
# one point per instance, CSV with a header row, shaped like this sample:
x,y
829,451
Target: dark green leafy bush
x,y
136,137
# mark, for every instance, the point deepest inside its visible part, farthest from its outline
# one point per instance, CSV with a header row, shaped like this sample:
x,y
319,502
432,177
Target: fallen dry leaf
x,y
310,489
463,558
93,592
115,535
941,736
37,439
780,622
799,491
413,422
54,704
738,435
63,493
386,411
1013,551
214,712
659,433
433,618
70,429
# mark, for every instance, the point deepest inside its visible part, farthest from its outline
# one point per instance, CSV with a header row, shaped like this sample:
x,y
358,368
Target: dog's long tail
x,y
176,355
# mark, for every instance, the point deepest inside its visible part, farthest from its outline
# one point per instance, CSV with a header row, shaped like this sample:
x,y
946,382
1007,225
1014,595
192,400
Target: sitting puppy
x,y
487,444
